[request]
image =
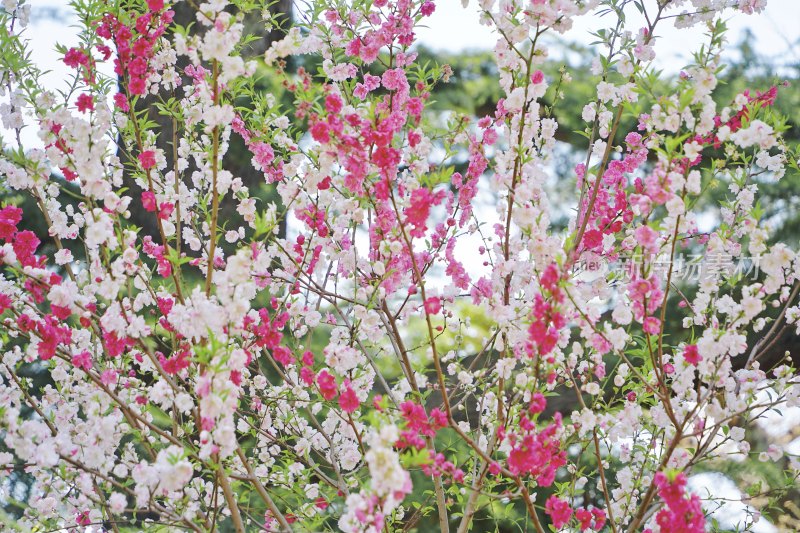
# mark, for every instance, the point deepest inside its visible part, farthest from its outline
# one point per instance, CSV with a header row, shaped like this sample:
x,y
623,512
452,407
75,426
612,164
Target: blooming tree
x,y
398,354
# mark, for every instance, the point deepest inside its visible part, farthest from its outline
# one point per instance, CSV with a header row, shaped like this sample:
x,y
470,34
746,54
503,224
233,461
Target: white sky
x,y
453,28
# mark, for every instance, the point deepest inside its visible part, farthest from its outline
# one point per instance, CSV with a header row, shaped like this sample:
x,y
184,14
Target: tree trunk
x,y
238,158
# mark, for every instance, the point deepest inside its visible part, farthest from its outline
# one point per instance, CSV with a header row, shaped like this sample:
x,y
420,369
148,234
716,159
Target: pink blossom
x,y
549,277
418,210
320,132
113,344
25,244
395,80
165,210
592,239
681,514
307,375
147,159
162,362
82,360
438,419
433,305
85,102
10,216
590,519
652,325
5,303
52,335
149,201
108,377
646,237
537,453
691,355
558,510
538,403
137,86
76,57
283,355
137,67
177,363
263,154
348,400
333,103
326,384
121,102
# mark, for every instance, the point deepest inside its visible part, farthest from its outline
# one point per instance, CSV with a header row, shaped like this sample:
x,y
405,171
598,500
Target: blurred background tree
x,y
263,29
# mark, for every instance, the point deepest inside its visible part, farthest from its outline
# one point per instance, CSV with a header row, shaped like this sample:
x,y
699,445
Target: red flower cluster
x,y
135,45
560,513
537,453
327,385
307,372
547,320
267,333
155,251
314,218
534,452
691,355
348,400
165,209
760,100
82,360
418,210
433,305
52,334
179,361
81,59
440,466
147,159
85,102
611,210
558,510
419,425
263,153
10,216
591,518
681,514
24,242
5,302
115,345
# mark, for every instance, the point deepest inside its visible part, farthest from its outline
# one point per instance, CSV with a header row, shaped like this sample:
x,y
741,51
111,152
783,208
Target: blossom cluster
x,y
401,354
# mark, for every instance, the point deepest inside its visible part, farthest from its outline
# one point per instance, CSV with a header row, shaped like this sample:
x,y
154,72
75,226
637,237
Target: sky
x,y
453,28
